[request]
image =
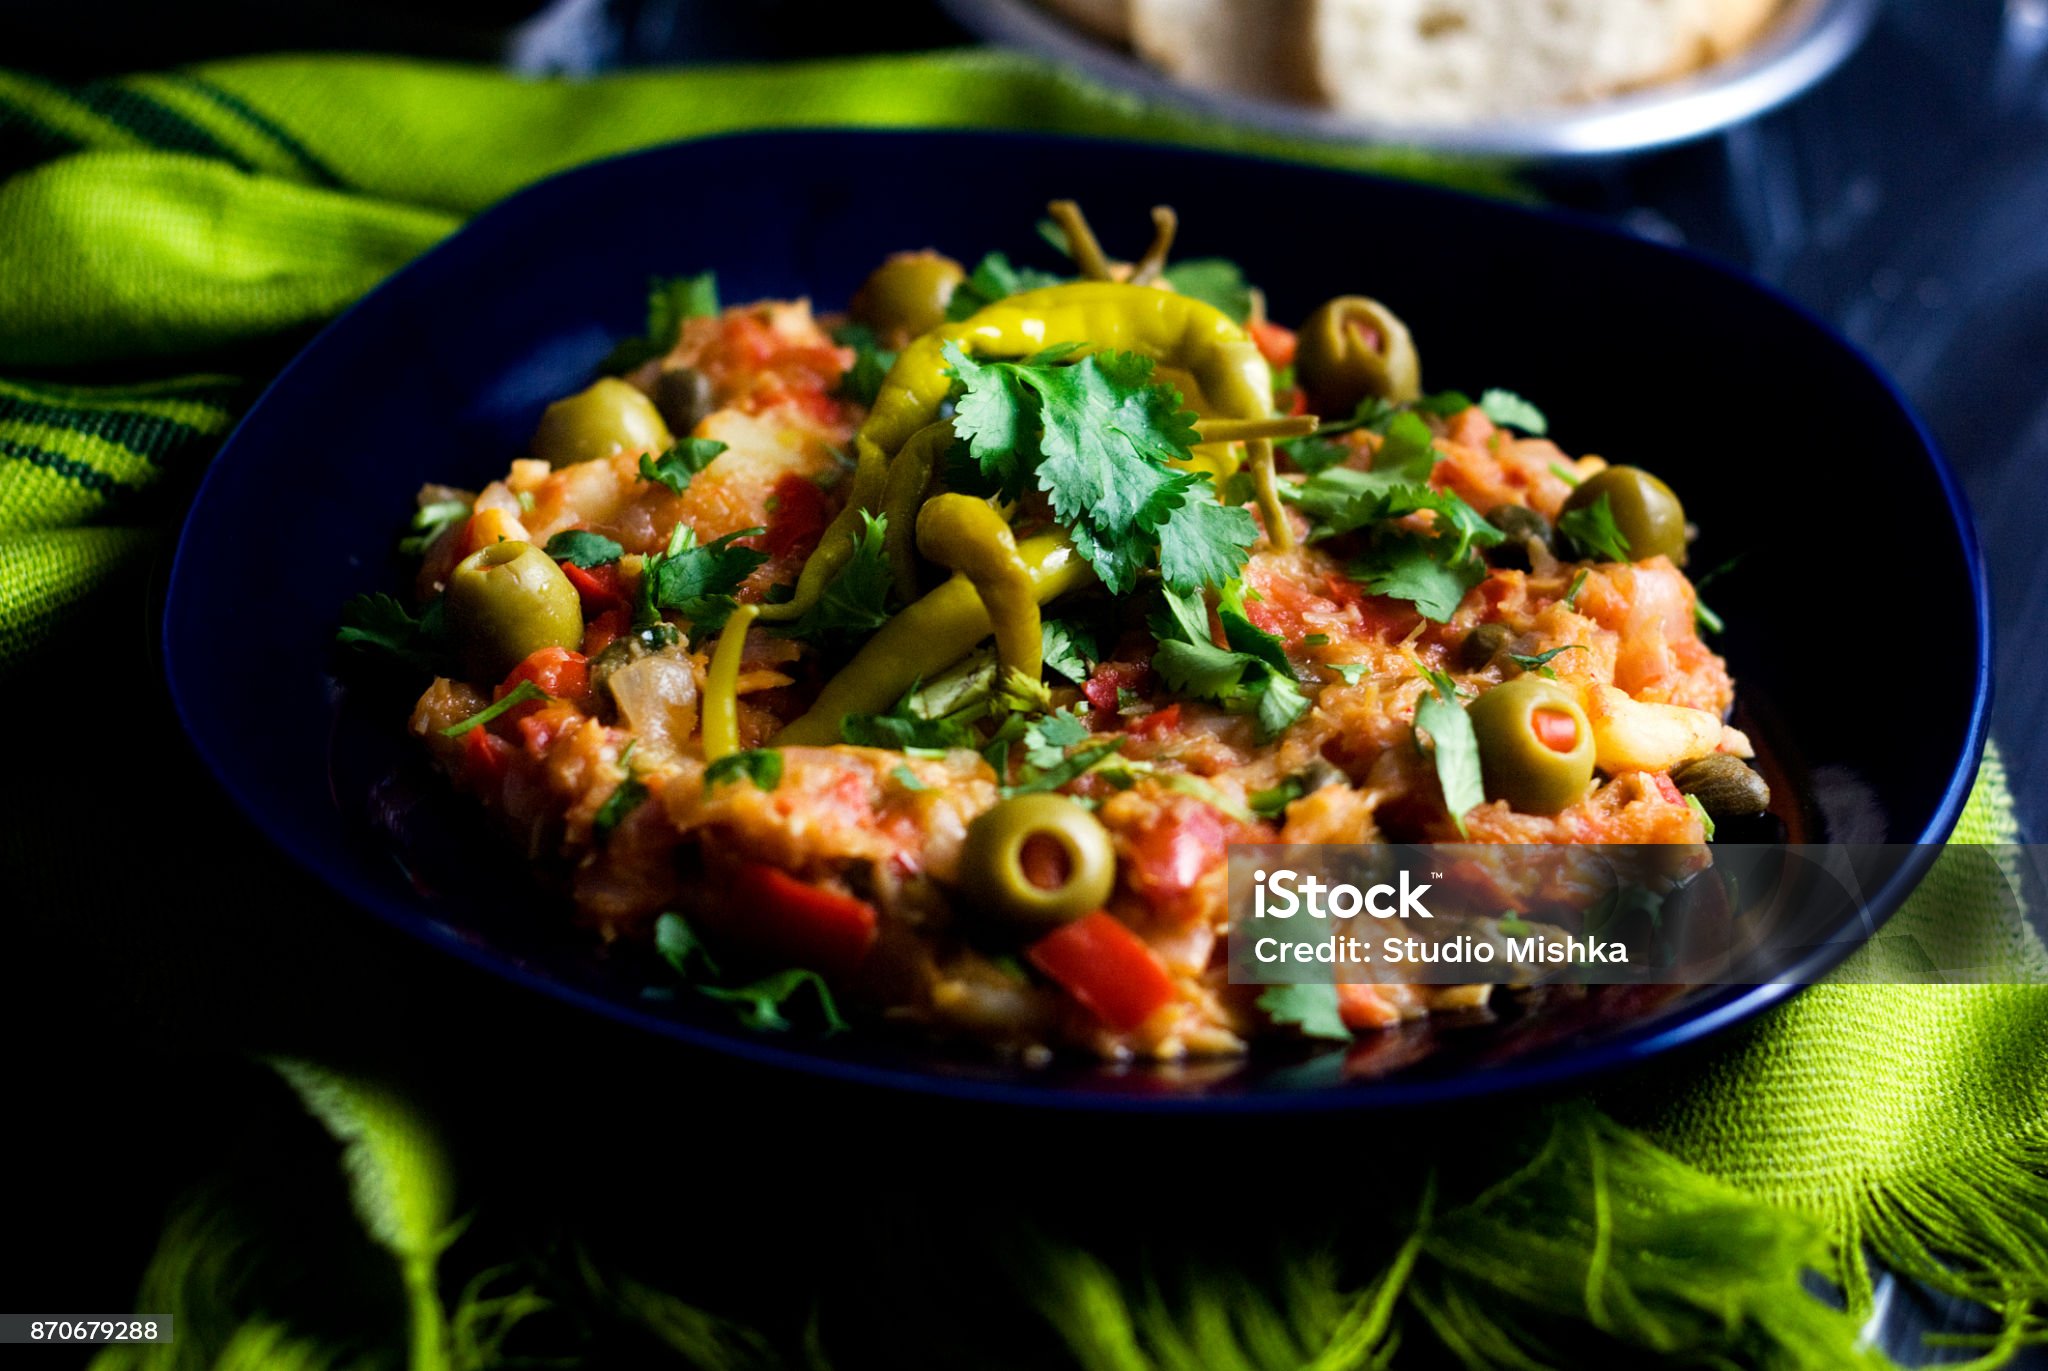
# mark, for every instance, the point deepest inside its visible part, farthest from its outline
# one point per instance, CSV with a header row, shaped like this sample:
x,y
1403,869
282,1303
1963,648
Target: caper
x,y
628,648
1645,511
506,602
1483,644
1725,786
1520,524
908,294
683,395
1354,347
1037,861
608,417
1535,745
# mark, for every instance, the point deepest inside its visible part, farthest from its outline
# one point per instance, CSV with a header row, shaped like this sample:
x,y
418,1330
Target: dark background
x,y
1906,201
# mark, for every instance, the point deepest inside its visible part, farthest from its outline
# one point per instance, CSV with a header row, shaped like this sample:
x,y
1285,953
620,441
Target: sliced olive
x,y
1725,786
1644,509
908,294
1483,644
607,418
683,395
1037,861
1354,347
1521,524
506,602
1535,745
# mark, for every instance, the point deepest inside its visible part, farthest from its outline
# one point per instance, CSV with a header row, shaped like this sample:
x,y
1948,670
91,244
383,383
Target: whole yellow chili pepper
x,y
911,476
966,535
1229,373
928,637
722,686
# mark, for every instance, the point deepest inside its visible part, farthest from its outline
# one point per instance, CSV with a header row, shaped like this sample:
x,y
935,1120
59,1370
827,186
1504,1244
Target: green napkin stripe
x,y
149,428
278,136
54,110
252,147
154,123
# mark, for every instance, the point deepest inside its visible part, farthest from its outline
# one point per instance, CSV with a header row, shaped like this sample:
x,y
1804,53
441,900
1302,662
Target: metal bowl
x,y
1804,45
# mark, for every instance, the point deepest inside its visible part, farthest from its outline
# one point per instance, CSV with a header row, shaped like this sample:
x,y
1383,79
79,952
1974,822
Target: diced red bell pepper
x,y
604,629
598,586
782,919
1176,849
556,670
1158,723
802,510
1276,341
485,757
1104,684
1108,968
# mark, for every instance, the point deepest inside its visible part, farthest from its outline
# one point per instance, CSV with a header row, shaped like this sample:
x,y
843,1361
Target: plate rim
x,y
1804,47
1713,1014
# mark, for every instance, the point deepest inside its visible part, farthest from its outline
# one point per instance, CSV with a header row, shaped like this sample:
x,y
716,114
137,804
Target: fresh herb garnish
x,y
626,797
1510,410
1593,531
670,300
1214,281
1250,676
512,699
903,729
1571,596
1455,746
856,600
1514,925
993,279
430,522
681,948
871,362
1068,649
1540,663
1272,803
761,765
378,625
761,1003
906,778
580,547
697,582
1350,672
675,467
1692,802
1312,1008
1098,436
1038,781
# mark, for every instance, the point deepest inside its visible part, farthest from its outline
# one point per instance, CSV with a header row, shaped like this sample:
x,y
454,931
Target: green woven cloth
x,y
165,239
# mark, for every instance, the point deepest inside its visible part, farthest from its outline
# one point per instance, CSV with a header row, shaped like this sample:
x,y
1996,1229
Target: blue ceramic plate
x,y
1786,443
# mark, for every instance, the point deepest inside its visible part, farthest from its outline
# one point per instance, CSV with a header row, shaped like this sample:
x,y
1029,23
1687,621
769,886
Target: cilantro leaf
x,y
580,547
626,797
1252,675
1214,281
1311,1008
1571,596
1099,436
993,279
1456,749
675,467
856,600
1541,661
680,946
1411,567
512,699
1273,802
902,729
1068,649
1315,453
1444,404
670,300
378,625
697,582
761,765
430,522
871,362
1593,531
906,778
761,1003
1061,773
1510,410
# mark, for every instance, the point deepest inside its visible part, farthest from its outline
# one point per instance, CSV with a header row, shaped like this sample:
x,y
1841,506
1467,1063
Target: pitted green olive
x,y
1535,745
609,417
1037,861
1644,509
506,602
908,294
1354,347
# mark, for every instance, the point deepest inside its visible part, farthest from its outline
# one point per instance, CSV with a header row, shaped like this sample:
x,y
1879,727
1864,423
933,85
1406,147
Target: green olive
x,y
1483,644
1644,509
1352,348
1725,787
1521,524
506,602
1037,861
908,294
609,417
1535,746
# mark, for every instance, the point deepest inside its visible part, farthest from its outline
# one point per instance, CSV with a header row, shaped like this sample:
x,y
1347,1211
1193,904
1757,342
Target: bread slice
x,y
1439,61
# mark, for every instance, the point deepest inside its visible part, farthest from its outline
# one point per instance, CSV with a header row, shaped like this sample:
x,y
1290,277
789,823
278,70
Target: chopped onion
x,y
657,697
